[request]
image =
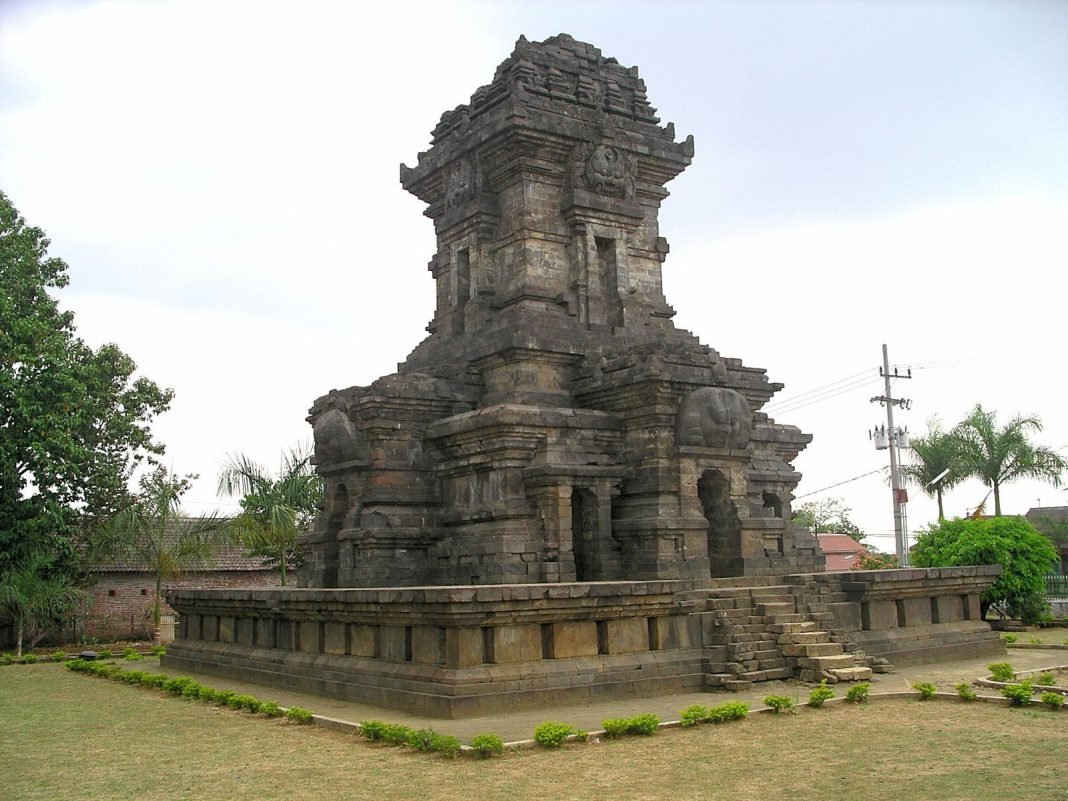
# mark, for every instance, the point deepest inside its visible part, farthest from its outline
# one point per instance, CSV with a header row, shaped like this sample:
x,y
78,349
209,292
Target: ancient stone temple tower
x,y
554,426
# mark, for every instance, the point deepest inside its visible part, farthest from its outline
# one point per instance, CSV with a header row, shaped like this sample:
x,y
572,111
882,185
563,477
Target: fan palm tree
x,y
273,510
153,532
936,464
996,455
33,598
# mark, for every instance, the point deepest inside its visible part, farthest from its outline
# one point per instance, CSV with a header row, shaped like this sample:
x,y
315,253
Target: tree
x,y
273,510
34,596
827,516
935,454
996,455
1025,556
74,422
152,530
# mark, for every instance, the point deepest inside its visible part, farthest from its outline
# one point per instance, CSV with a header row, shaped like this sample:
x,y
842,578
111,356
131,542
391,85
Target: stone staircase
x,y
766,632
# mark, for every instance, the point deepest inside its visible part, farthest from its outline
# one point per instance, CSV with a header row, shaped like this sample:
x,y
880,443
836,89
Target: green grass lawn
x,y
71,736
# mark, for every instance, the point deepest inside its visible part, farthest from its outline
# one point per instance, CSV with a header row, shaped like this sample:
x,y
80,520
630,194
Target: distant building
x,y
841,551
1052,521
124,590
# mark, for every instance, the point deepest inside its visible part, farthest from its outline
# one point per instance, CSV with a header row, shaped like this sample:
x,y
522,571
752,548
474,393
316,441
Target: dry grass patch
x,y
72,736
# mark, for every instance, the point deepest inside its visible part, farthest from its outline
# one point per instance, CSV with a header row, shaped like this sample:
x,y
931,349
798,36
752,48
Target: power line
x,y
792,406
840,483
820,389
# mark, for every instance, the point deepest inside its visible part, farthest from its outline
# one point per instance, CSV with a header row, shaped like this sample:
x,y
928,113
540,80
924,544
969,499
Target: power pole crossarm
x,y
893,440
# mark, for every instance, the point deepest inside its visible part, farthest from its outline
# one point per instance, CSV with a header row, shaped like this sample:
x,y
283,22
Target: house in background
x,y
123,591
840,550
1053,522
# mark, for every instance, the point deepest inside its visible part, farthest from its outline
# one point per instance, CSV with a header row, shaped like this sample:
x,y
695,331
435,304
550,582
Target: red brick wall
x,y
121,605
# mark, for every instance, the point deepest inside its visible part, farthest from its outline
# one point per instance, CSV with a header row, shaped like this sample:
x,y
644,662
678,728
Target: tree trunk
x,y
997,499
156,605
938,495
282,569
18,640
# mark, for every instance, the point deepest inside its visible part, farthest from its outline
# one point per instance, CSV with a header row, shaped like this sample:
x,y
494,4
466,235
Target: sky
x,y
222,178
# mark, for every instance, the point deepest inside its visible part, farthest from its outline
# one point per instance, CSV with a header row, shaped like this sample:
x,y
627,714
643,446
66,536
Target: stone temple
x,y
559,493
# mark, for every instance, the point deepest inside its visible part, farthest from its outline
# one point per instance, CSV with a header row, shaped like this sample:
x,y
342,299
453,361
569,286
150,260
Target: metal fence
x,y
1057,585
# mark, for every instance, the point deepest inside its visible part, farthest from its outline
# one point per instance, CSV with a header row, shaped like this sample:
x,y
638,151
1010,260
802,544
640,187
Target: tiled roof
x,y
841,551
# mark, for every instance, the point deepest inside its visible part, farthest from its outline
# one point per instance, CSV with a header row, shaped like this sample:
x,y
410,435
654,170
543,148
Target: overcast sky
x,y
222,179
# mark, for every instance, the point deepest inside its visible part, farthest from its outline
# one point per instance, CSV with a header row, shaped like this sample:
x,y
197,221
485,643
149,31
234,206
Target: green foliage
x,y
820,694
58,656
1009,638
7,659
296,714
396,734
829,515
1018,694
192,691
780,703
858,693
639,724
151,530
446,745
75,421
273,510
372,729
271,709
1046,679
29,659
34,594
998,455
965,691
1052,700
694,714
487,745
552,734
421,740
1024,554
158,650
728,711
176,685
104,653
935,465
925,689
1001,671
222,697
246,702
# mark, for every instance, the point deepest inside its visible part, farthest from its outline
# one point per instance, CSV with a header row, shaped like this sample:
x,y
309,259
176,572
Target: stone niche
x,y
560,496
554,426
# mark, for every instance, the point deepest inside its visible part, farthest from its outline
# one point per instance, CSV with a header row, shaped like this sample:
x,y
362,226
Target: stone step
x,y
737,685
803,637
772,664
812,649
827,663
774,609
850,673
741,637
791,628
778,673
718,679
754,676
770,653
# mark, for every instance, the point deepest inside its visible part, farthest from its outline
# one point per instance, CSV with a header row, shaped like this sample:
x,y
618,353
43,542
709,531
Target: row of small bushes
x,y
425,740
185,687
131,654
722,713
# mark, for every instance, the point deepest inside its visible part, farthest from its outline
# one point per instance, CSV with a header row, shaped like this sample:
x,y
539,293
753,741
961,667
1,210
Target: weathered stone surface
x,y
572,639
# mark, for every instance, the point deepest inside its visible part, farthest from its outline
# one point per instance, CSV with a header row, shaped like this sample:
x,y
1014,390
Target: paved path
x,y
519,725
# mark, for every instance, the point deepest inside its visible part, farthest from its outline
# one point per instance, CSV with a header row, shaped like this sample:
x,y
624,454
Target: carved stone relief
x,y
714,417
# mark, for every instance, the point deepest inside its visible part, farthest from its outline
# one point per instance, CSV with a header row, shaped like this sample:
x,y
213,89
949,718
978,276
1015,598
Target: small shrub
x,y
422,740
692,715
29,659
133,676
614,727
820,694
1018,694
446,745
372,729
965,691
1010,638
271,709
644,725
1053,701
1035,640
552,734
154,680
858,693
1046,679
176,685
396,734
132,657
487,745
726,712
104,653
158,650
222,697
206,694
780,703
297,714
1001,671
247,702
128,652
925,689
58,656
7,659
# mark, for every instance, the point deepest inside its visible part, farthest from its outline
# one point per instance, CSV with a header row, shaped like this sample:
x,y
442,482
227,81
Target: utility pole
x,y
894,438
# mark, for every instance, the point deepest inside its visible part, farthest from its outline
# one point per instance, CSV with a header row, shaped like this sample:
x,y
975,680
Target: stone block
x,y
463,647
309,640
623,636
246,630
516,643
334,638
363,640
972,609
209,627
263,632
878,615
428,645
914,612
226,629
566,640
947,609
846,615
672,632
395,642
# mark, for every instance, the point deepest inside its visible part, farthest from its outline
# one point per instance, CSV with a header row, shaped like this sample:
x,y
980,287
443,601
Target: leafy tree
x,y
932,455
34,596
997,455
74,422
875,560
1024,554
152,530
273,510
830,516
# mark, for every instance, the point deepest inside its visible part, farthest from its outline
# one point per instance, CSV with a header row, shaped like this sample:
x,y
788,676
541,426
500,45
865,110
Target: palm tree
x,y
933,455
152,530
33,597
998,455
274,510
